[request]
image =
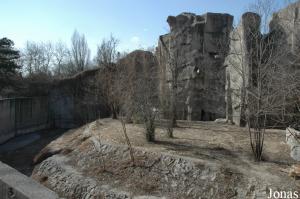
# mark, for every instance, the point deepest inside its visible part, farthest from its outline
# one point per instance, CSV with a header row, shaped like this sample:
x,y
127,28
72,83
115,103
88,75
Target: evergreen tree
x,y
8,56
8,61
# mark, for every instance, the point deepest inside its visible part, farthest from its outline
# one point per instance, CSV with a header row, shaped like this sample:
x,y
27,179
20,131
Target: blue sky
x,y
136,23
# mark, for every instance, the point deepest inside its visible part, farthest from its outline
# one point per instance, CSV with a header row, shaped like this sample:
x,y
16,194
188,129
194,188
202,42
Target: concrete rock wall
x,y
76,100
195,44
14,185
238,67
79,99
138,67
279,48
23,115
287,21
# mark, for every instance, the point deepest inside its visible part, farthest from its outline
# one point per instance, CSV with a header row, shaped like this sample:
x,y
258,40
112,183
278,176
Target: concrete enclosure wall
x,y
14,185
77,100
23,115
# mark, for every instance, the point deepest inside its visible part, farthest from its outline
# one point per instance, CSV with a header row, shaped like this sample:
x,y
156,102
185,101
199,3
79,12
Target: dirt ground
x,y
215,142
210,140
220,149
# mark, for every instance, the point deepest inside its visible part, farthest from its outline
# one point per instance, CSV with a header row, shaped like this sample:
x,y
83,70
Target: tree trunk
x,y
114,113
173,106
170,129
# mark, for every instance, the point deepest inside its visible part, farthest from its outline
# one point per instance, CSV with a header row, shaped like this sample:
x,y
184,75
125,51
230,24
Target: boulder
x,y
295,171
293,140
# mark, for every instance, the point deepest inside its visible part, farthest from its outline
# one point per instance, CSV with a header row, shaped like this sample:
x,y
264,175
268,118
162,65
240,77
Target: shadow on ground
x,y
20,151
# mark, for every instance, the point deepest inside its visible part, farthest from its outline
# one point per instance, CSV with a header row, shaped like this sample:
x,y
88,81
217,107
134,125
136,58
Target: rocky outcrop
x,y
195,47
293,140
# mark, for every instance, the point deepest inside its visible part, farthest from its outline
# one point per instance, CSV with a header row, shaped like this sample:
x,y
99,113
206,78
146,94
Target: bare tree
x,y
106,57
47,50
145,101
120,87
136,88
123,122
265,9
258,76
107,52
173,63
80,51
248,65
61,56
269,91
37,57
112,87
144,97
108,84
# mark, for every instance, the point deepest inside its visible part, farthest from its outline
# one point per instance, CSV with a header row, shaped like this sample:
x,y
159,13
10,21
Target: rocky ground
x,y
204,160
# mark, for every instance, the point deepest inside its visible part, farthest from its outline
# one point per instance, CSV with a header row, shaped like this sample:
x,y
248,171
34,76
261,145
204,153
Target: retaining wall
x,y
14,185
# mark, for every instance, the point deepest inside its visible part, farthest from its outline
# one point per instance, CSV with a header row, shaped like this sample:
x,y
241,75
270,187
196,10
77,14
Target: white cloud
x,y
134,43
135,40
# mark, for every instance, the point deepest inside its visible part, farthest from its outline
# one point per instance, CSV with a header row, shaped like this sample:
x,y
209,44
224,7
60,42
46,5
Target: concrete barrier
x,y
14,185
23,115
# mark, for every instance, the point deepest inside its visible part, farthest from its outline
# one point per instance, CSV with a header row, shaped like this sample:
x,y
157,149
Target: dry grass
x,y
209,141
224,146
200,140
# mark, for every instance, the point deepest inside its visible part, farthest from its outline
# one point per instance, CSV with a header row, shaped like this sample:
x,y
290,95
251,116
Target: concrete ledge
x,y
14,185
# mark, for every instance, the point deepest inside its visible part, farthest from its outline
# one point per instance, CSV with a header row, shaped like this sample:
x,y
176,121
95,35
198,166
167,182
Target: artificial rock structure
x,y
82,98
280,47
191,56
209,65
77,100
287,21
238,68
